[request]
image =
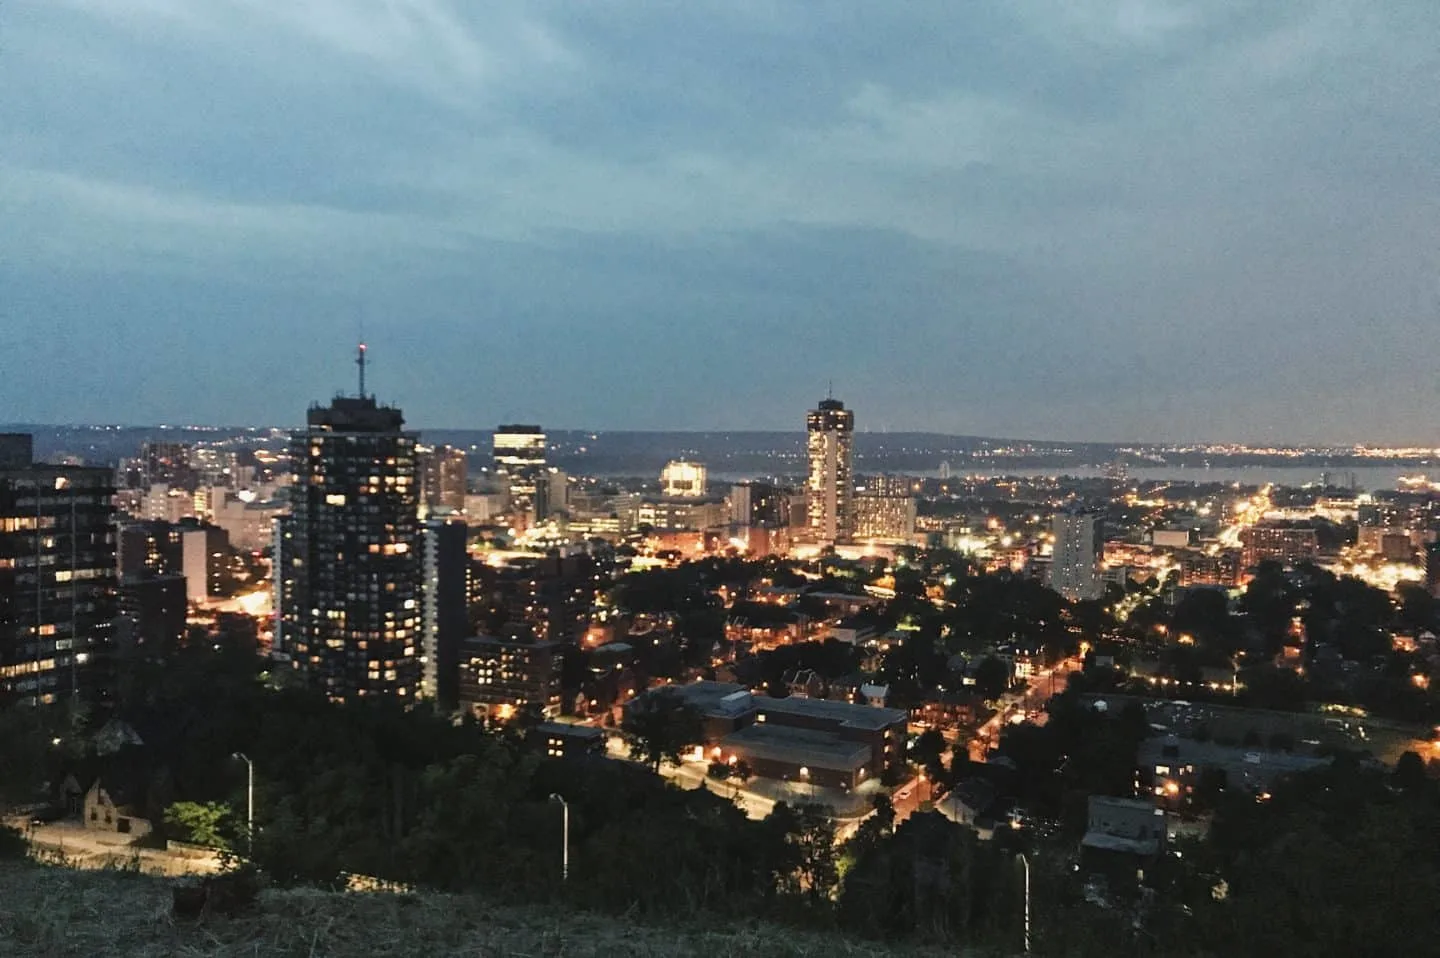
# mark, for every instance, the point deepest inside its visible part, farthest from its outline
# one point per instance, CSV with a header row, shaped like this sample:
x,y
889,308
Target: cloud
x,y
1020,217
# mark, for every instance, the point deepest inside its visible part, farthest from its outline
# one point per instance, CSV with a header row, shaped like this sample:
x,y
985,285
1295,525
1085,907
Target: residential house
x,y
110,810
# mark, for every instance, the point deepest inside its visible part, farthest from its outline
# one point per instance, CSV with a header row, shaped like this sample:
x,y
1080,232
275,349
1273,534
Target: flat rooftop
x,y
1114,843
851,716
797,746
561,729
1143,806
1191,752
720,698
731,699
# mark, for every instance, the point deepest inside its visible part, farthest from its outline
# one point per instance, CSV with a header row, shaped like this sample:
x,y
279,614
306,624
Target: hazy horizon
x,y
797,431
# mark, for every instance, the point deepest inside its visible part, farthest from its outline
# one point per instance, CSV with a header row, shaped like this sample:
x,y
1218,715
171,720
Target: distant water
x,y
1367,478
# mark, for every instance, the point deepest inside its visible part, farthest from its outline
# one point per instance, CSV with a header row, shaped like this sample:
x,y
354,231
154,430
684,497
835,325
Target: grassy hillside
x,y
58,912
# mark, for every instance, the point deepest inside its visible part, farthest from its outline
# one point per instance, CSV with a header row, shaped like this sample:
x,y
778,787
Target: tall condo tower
x,y
830,485
1079,549
348,569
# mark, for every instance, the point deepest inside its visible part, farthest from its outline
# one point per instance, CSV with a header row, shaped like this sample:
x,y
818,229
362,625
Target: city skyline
x,y
1130,222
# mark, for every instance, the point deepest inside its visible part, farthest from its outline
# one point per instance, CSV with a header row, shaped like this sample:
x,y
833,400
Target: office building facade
x,y
683,479
519,455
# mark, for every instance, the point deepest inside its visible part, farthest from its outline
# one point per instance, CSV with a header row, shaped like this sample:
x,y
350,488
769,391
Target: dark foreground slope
x,y
59,912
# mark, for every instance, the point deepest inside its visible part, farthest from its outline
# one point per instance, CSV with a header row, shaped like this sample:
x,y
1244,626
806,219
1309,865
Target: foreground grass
x,y
50,911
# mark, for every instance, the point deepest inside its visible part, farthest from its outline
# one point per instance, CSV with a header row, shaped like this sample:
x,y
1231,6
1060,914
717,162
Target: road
x,y
1031,702
908,798
690,776
80,847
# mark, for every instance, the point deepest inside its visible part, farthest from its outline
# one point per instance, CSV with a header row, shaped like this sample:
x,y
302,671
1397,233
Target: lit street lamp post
x,y
564,836
249,803
1026,862
805,778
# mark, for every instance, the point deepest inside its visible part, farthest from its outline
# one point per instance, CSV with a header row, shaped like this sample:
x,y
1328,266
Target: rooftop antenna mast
x,y
360,361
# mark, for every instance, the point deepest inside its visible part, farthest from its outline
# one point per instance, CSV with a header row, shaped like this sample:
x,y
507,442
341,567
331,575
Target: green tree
x,y
1418,608
1269,603
661,725
12,843
806,864
1410,771
928,750
199,823
931,879
992,677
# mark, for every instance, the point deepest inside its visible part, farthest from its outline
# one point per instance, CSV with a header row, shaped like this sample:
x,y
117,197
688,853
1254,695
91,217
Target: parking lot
x,y
1301,732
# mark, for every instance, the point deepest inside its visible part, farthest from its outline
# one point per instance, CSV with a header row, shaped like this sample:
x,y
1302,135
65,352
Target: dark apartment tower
x,y
152,614
57,578
168,462
197,550
756,503
349,583
445,619
1432,568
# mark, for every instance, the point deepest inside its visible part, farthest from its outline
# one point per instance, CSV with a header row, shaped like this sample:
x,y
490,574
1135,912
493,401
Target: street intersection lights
x,y
564,836
249,803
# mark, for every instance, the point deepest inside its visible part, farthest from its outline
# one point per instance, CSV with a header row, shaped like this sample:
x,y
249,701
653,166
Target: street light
x,y
1026,862
564,836
805,776
249,803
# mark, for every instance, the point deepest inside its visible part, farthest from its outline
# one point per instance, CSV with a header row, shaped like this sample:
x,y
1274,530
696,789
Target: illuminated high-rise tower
x,y
830,485
348,567
520,466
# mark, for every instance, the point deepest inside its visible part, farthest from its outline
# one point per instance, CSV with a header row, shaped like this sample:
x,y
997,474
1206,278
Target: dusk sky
x,y
1079,219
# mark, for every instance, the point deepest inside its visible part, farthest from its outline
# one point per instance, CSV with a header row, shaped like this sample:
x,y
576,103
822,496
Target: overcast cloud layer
x,y
1078,219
